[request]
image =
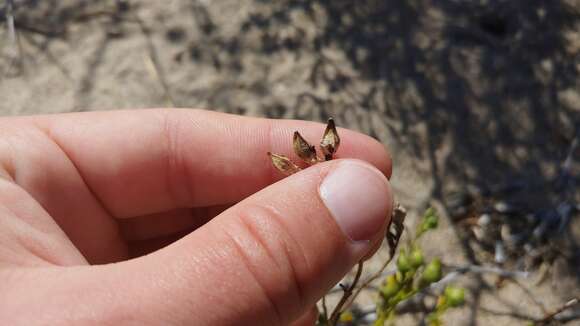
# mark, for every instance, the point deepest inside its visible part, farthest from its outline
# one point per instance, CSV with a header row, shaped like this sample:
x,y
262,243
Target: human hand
x,y
217,236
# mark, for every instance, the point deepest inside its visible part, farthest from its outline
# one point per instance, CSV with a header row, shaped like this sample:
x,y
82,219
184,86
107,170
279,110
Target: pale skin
x,y
166,216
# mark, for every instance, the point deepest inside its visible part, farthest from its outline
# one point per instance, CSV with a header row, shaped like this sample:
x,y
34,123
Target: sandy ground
x,y
465,95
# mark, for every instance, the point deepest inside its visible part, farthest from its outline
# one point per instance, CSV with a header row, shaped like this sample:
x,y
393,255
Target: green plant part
x,y
391,287
416,258
430,211
346,317
412,275
430,222
432,272
454,296
403,264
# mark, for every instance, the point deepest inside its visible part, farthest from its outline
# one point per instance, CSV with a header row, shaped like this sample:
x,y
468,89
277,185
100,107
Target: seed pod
x,y
416,258
303,149
283,164
455,296
429,211
330,141
432,272
403,264
391,287
429,223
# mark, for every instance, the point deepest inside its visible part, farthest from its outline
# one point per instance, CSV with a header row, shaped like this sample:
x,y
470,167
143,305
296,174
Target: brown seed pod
x,y
396,228
330,141
304,150
283,164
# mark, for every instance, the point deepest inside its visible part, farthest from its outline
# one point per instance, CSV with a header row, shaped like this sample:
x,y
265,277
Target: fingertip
x,y
384,161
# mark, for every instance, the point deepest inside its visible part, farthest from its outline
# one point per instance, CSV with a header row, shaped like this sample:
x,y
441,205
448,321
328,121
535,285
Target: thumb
x,y
267,260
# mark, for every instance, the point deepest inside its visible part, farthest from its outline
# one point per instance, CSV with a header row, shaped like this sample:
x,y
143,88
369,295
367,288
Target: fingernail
x,y
358,197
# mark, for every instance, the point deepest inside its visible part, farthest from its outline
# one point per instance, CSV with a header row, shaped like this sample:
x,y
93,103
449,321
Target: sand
x,y
464,95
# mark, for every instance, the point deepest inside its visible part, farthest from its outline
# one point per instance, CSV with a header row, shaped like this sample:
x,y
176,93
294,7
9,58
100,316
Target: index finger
x,y
149,161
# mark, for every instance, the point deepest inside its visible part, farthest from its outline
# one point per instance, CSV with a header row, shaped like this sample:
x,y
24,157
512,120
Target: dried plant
x,y
329,146
413,274
283,164
304,150
330,140
396,228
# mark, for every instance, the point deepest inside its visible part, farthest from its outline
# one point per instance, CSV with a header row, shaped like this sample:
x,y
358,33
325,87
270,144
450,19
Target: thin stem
x,y
368,281
347,292
549,317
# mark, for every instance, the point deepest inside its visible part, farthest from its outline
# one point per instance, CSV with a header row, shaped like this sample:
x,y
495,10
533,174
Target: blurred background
x,y
478,102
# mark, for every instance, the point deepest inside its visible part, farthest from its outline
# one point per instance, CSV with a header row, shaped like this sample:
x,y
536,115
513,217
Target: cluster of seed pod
x,y
306,152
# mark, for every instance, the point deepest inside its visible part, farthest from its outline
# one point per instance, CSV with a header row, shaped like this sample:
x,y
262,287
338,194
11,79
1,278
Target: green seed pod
x,y
391,287
416,258
403,264
429,223
455,296
432,272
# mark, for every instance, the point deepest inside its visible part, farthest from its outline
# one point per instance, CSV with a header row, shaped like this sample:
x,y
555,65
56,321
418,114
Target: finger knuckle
x,y
272,255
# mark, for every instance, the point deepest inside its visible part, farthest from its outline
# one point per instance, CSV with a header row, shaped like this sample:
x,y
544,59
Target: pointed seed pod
x,y
303,149
330,140
283,164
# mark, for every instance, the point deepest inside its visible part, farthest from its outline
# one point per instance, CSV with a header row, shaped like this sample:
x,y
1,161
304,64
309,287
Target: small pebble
x,y
484,220
506,233
478,232
499,253
503,207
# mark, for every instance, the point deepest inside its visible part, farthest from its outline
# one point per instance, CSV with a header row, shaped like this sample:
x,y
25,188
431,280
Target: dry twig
x,y
551,316
346,295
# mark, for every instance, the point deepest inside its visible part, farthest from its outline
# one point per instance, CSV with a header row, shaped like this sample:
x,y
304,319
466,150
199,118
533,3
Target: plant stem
x,y
549,317
369,280
347,292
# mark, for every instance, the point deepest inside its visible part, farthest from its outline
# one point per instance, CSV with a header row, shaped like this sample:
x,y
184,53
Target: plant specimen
x,y
328,146
413,274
